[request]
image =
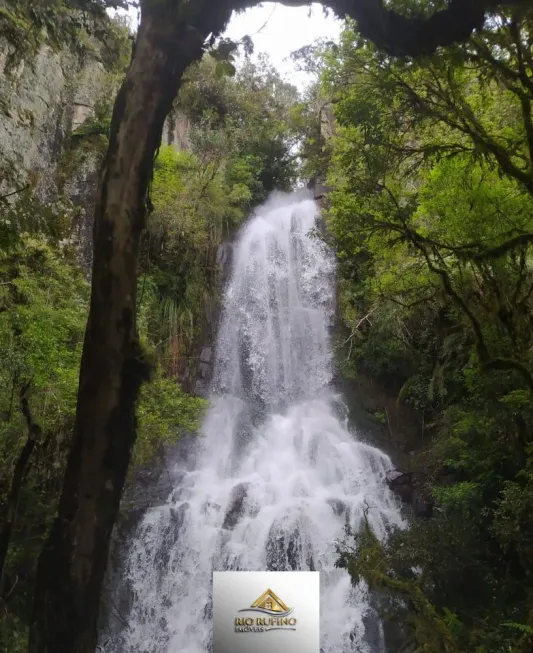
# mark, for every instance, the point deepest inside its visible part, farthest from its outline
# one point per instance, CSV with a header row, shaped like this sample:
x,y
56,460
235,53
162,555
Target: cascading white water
x,y
277,473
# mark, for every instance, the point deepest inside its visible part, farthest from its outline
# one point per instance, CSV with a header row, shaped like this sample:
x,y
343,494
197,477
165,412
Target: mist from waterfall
x,y
276,473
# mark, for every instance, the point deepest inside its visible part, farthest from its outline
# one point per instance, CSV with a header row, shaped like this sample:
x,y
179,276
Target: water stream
x,y
276,472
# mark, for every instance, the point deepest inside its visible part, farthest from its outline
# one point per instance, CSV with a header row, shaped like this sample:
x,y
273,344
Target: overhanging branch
x,y
409,35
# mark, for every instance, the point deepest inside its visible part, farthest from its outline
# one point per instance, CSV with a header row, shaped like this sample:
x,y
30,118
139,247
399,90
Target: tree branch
x,y
483,353
414,34
465,122
410,34
503,248
10,509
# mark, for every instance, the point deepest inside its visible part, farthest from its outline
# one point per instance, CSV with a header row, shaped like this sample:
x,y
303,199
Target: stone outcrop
x,y
326,130
177,129
35,99
411,490
236,507
197,378
44,100
401,483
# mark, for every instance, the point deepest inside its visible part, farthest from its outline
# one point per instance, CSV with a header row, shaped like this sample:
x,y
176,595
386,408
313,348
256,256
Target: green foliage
x,y
17,29
43,303
240,135
247,116
164,411
43,312
431,214
313,117
366,558
41,330
27,215
81,25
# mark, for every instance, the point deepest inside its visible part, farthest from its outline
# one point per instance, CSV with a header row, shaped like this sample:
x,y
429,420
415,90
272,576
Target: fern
x,y
523,628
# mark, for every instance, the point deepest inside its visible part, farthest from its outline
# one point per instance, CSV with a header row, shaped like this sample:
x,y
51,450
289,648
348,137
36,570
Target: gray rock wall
x,y
42,102
43,99
33,103
176,131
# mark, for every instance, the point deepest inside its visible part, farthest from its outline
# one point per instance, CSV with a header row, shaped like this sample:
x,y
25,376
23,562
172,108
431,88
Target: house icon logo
x,y
271,604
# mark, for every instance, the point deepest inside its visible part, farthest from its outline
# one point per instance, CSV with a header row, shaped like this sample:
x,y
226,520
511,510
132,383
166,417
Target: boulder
x,y
401,483
422,504
178,514
396,477
205,370
201,389
206,354
338,506
236,506
410,490
222,254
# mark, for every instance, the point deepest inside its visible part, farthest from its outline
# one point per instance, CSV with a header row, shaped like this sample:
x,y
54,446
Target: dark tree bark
x,y
10,513
72,565
412,34
171,36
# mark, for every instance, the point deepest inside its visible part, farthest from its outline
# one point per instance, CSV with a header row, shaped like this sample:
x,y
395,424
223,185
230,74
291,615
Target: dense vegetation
x,y
241,133
172,35
239,137
431,212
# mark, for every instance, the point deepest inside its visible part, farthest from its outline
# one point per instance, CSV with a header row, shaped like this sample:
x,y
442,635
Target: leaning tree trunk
x,y
71,567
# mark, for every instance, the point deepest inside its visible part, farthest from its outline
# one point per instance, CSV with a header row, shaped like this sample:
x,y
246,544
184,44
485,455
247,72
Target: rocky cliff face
x,y
46,95
42,101
56,105
47,102
177,129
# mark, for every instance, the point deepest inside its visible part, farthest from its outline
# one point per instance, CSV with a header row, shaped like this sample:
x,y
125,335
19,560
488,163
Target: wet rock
x,y
205,370
401,483
206,354
167,540
395,477
284,551
201,389
422,504
373,627
222,254
276,558
294,551
178,514
372,404
236,508
338,506
209,506
208,610
410,489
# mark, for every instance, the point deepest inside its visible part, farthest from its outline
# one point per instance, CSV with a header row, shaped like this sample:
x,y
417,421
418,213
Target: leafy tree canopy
x,y
431,213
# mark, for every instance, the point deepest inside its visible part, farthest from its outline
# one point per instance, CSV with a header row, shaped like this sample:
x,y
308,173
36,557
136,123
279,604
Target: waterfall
x,y
275,474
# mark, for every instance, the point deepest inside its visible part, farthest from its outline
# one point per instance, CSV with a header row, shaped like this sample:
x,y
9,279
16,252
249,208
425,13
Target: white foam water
x,y
277,473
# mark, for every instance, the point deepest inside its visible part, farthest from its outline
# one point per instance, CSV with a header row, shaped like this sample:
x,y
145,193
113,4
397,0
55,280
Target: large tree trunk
x,y
71,567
